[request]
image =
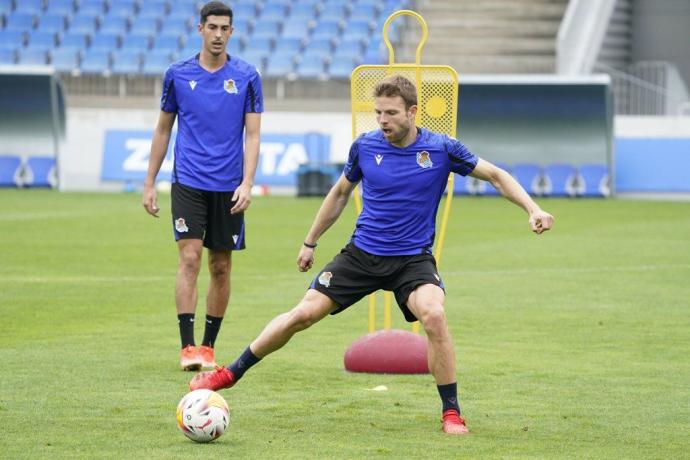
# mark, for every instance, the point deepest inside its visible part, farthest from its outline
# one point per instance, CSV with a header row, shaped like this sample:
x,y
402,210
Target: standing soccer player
x,y
217,100
403,170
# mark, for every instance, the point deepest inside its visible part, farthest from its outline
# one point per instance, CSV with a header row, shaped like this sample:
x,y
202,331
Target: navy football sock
x,y
449,396
243,363
186,323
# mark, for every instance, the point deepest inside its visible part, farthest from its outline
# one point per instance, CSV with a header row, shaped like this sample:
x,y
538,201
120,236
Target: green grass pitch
x,y
573,344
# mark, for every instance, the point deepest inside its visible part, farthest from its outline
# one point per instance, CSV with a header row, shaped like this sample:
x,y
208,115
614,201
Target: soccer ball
x,y
203,415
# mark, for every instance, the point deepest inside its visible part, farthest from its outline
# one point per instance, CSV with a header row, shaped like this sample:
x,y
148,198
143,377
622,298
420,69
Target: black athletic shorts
x,y
355,273
201,215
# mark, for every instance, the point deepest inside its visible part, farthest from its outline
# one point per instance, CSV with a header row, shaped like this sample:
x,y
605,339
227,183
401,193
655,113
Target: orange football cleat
x,y
453,423
221,378
190,360
208,359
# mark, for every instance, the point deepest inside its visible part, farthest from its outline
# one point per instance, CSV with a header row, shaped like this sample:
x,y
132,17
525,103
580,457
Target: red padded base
x,y
391,351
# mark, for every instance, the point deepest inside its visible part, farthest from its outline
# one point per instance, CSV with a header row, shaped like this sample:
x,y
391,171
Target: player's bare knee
x,y
219,270
190,261
300,318
434,320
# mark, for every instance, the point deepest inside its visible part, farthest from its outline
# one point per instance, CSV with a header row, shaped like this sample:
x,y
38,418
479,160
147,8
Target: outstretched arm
x,y
330,210
159,147
539,221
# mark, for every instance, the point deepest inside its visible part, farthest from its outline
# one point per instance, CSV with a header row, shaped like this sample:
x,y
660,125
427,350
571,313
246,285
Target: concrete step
x,y
493,46
494,64
504,10
493,27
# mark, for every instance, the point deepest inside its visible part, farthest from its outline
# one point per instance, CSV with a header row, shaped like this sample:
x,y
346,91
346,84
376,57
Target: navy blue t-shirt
x,y
401,189
210,107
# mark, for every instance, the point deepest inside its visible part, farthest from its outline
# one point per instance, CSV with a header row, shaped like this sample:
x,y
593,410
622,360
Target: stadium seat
x,y
593,181
233,48
529,176
302,13
62,7
105,41
96,61
364,12
326,30
11,39
280,65
559,180
273,12
244,10
92,7
156,63
65,59
342,68
294,29
169,43
153,8
6,6
114,24
10,171
266,29
8,56
333,12
136,42
147,25
177,23
34,7
289,46
261,44
75,40
51,22
33,56
20,21
124,8
126,62
311,66
257,58
317,47
83,23
40,172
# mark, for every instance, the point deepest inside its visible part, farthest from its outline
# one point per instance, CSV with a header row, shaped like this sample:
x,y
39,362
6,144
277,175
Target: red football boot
x,y
453,423
221,378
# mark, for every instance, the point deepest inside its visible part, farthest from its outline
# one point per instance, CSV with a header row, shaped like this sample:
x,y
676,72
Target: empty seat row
x,y
558,180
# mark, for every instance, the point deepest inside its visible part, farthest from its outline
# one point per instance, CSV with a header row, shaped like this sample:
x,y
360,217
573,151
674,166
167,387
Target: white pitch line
x,y
531,271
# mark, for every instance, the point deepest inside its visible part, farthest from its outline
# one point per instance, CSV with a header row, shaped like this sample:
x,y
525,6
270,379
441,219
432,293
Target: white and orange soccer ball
x,y
203,415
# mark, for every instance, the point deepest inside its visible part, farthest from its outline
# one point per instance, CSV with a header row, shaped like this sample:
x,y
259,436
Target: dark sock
x,y
243,363
186,323
211,330
449,396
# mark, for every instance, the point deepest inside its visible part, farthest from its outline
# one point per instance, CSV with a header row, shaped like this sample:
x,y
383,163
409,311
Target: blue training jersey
x,y
402,188
210,107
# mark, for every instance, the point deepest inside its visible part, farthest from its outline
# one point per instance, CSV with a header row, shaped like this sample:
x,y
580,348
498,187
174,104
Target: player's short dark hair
x,y
214,9
397,85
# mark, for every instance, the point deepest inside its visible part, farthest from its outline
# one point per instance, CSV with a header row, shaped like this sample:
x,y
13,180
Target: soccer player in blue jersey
x,y
403,170
217,100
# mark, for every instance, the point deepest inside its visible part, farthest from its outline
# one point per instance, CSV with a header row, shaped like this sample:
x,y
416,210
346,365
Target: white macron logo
x,y
378,157
192,83
234,238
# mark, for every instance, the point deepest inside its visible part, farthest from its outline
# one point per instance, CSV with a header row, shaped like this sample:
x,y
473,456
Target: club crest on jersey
x,y
424,160
181,225
325,279
229,86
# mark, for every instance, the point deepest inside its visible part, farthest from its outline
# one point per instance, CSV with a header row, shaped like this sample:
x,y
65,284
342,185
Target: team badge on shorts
x,y
229,86
325,279
181,225
424,160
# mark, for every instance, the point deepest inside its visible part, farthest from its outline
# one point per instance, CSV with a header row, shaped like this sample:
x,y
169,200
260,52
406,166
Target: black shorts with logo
x,y
355,273
202,215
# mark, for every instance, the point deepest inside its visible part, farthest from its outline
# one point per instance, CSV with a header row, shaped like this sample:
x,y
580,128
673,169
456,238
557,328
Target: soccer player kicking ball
x,y
403,170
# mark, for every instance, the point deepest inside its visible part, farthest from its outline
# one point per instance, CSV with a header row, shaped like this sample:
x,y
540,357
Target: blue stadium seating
x,y
326,30
11,39
105,41
266,29
289,46
137,42
153,8
311,66
33,56
258,58
559,180
40,172
179,24
20,21
34,7
92,7
95,61
146,25
593,180
63,7
114,24
156,62
343,67
169,43
295,29
529,176
123,8
8,56
280,65
84,23
244,10
126,62
65,59
333,13
273,12
301,13
75,39
52,22
10,171
6,6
